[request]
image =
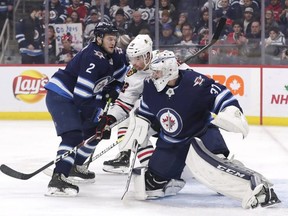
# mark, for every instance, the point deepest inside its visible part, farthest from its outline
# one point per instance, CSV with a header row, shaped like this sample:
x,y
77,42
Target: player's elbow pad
x,y
232,119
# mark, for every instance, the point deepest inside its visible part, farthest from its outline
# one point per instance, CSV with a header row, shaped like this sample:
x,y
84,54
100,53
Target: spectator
x,y
148,11
274,46
252,48
6,9
123,41
247,20
283,23
190,7
202,22
252,4
276,7
51,45
30,34
236,40
137,24
167,37
75,17
79,8
183,18
166,18
67,52
188,37
120,22
269,22
222,11
57,12
90,26
167,5
126,8
97,6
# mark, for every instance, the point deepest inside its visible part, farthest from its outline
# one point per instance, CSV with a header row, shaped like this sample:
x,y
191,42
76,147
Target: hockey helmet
x,y
103,28
141,45
165,68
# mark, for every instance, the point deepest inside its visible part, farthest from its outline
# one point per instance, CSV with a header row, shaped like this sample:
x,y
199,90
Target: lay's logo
x,y
29,86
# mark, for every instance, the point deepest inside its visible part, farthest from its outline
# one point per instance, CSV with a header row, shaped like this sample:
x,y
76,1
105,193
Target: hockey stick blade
x,y
23,176
214,39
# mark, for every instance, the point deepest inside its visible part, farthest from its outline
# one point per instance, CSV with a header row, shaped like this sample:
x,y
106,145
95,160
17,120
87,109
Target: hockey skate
x,y
59,186
118,165
81,174
261,196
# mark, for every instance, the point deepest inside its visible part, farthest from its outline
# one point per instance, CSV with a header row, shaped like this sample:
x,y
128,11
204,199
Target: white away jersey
x,y
130,93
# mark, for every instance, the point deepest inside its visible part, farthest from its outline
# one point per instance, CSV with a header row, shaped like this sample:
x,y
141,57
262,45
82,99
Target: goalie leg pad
x,y
220,175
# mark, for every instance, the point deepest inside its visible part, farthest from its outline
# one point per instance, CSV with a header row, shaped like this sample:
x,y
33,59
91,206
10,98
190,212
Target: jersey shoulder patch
x,y
131,72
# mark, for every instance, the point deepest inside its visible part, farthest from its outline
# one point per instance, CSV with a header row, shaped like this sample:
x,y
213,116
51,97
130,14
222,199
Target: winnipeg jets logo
x,y
99,54
198,81
170,121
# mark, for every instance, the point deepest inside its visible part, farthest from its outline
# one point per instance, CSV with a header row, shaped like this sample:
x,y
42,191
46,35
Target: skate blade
x,y
271,204
116,170
77,180
56,192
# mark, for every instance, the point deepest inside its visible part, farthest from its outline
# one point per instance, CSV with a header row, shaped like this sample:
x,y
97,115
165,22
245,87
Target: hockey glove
x,y
112,93
103,130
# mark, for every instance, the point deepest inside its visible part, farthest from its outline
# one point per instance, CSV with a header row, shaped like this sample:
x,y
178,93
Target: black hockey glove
x,y
103,131
113,94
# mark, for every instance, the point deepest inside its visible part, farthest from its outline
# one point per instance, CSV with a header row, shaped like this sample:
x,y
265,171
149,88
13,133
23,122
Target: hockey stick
x,y
104,113
23,176
105,150
131,170
214,39
49,171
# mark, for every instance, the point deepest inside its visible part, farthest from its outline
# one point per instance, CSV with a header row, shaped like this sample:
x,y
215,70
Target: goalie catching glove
x,y
103,130
232,119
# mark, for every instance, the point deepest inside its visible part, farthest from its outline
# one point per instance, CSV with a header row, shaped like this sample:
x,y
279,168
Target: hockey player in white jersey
x,y
139,52
182,102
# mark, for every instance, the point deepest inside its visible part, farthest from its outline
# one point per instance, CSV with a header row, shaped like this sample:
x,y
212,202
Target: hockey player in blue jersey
x,y
182,102
75,99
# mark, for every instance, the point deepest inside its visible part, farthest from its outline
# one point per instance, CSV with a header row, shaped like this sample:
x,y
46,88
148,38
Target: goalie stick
x,y
136,144
214,39
24,176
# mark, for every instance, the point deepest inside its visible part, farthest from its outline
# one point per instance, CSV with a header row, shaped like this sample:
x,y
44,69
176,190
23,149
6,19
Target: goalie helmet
x,y
165,68
141,45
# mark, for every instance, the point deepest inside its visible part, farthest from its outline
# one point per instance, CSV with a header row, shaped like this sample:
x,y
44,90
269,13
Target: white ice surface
x,y
28,145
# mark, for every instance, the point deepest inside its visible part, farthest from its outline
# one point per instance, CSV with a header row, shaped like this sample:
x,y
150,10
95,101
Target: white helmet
x,y
166,64
141,45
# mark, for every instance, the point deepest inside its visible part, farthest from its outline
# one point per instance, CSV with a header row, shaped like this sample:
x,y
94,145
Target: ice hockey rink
x,y
28,145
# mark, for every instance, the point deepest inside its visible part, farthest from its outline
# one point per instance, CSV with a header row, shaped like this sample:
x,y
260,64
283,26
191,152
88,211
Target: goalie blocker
x,y
241,183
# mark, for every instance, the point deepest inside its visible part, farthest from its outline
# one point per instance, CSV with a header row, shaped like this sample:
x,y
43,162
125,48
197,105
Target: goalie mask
x,y
165,68
140,47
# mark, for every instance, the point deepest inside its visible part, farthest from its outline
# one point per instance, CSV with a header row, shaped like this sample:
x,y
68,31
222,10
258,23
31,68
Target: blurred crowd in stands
x,y
255,30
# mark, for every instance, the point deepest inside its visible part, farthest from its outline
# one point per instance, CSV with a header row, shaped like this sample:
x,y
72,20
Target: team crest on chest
x,y
170,121
131,72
